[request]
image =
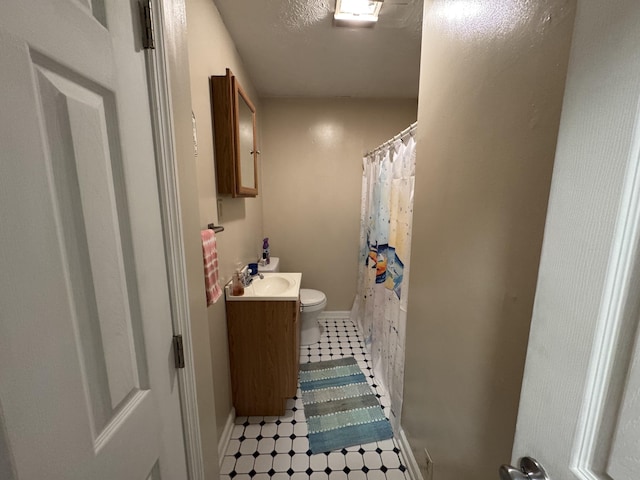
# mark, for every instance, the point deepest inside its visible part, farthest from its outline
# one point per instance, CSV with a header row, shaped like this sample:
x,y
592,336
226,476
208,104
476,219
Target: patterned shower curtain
x,y
380,307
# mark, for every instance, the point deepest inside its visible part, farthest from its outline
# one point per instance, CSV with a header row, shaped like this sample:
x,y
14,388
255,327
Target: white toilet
x,y
312,303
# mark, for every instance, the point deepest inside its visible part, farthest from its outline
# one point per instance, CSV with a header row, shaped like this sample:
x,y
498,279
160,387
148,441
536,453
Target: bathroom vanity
x,y
264,341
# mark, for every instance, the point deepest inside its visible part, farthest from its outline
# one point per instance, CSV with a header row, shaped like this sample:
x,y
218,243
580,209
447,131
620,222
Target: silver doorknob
x,y
529,469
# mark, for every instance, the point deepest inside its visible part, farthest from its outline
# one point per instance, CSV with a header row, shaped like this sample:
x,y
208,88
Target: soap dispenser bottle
x,y
266,256
237,288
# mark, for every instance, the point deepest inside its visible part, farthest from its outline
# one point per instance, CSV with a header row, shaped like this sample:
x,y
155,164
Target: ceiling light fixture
x,y
360,11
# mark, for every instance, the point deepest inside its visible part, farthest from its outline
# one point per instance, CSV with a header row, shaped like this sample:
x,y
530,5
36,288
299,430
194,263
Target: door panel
x,y
624,463
580,399
87,387
94,245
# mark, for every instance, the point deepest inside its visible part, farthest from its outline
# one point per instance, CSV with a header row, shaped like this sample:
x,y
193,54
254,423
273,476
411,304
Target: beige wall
x,y
211,51
490,99
312,174
176,44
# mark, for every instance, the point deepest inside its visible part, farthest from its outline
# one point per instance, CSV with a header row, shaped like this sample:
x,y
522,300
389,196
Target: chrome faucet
x,y
246,278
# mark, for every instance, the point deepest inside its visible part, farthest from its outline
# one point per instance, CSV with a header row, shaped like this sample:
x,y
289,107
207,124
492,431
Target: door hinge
x,y
146,19
178,351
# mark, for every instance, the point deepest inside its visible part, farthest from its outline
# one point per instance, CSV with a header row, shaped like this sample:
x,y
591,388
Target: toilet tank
x,y
274,266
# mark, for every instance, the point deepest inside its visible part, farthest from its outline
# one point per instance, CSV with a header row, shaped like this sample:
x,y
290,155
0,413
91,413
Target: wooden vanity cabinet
x,y
264,352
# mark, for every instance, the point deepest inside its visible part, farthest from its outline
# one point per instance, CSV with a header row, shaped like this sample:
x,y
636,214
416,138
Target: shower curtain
x,y
380,307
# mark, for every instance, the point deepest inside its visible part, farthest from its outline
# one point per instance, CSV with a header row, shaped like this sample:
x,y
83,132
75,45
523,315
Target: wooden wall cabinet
x,y
234,135
264,353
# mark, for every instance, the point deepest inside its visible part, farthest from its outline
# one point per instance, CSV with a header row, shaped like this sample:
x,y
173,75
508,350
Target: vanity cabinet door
x,y
264,351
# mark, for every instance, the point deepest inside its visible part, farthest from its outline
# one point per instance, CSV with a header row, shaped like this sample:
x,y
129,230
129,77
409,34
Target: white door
x,y
87,386
580,406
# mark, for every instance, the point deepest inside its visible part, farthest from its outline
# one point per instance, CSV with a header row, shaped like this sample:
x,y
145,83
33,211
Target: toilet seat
x,y
311,298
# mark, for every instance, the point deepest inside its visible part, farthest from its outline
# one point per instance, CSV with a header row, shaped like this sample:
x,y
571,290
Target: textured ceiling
x,y
292,49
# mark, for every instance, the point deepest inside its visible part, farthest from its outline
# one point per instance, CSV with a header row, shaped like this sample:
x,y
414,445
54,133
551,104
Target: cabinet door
x,y
234,133
246,161
264,351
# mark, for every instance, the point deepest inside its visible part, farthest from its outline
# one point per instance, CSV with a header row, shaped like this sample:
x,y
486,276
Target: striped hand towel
x,y
210,255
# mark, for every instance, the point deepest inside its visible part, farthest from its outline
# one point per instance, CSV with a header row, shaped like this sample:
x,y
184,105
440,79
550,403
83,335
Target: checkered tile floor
x,y
277,448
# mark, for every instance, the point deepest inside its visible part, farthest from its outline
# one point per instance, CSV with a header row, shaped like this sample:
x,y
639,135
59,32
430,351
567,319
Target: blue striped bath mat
x,y
340,408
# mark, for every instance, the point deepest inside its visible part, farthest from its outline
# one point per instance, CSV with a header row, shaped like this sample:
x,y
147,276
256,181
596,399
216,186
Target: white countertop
x,y
276,286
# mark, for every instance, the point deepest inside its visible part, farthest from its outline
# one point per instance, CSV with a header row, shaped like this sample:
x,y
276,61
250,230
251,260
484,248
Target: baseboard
x,y
407,454
226,435
335,314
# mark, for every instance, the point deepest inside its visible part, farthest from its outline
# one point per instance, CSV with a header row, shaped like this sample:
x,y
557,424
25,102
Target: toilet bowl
x,y
312,304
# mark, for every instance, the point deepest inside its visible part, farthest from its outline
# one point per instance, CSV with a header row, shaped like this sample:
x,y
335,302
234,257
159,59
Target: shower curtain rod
x,y
399,136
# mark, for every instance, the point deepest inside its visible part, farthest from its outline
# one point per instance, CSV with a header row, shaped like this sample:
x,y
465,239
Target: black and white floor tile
x,y
277,448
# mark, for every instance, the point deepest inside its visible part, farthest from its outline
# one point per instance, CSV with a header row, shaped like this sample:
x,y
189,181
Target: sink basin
x,y
271,285
274,286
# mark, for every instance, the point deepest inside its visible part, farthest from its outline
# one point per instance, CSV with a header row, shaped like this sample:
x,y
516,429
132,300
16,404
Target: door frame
x,y
168,190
